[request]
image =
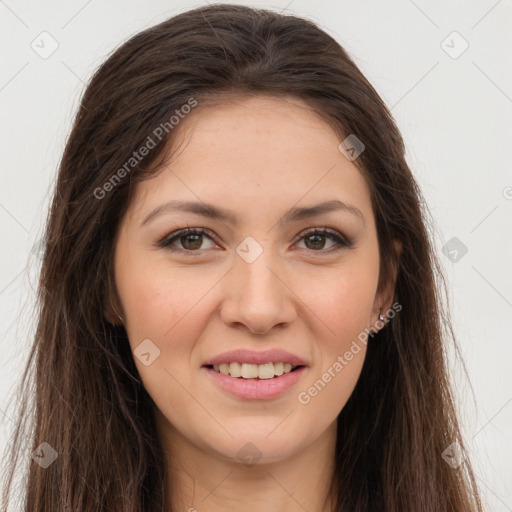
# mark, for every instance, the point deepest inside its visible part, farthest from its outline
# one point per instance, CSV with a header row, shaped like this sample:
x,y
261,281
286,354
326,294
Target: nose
x,y
257,295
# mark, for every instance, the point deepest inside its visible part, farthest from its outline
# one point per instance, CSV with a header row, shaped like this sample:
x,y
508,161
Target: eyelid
x,y
330,232
171,237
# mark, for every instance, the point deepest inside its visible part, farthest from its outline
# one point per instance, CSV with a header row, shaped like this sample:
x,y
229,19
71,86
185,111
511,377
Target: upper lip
x,y
252,357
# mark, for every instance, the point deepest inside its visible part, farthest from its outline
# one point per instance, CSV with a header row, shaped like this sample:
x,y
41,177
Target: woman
x,y
240,303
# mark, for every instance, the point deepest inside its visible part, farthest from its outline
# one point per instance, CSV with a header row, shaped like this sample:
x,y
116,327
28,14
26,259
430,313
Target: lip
x,y
256,389
253,357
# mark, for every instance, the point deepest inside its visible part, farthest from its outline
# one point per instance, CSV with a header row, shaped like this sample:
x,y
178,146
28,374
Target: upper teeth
x,y
253,371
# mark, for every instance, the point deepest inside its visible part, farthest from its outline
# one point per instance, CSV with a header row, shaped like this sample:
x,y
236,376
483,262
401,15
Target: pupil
x,y
315,237
198,238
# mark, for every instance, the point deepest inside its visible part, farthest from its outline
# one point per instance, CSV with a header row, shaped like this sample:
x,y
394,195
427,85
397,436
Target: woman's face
x,y
258,279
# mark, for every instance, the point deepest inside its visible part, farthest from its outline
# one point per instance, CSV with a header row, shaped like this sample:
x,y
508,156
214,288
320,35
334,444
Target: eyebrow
x,y
215,212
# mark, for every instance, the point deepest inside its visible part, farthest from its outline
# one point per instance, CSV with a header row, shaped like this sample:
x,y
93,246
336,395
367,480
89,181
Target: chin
x,y
256,450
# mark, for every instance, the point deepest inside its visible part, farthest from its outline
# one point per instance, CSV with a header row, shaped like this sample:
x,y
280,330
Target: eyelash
x,y
329,233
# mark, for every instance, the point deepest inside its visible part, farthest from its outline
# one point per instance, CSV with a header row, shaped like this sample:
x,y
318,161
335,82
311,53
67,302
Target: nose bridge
x,y
255,268
257,296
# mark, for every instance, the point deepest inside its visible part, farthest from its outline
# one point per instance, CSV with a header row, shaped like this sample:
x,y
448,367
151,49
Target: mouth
x,y
247,383
248,371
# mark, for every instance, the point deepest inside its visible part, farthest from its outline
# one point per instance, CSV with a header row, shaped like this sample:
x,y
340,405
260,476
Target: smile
x,y
254,371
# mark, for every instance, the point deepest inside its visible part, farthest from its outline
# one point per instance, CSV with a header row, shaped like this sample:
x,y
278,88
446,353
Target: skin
x,y
258,157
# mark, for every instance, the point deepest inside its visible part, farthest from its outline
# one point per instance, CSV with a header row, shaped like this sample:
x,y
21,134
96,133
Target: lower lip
x,y
256,389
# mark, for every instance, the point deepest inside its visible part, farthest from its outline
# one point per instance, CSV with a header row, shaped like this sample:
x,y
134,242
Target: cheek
x,y
340,350
165,309
343,304
344,301
170,308
155,297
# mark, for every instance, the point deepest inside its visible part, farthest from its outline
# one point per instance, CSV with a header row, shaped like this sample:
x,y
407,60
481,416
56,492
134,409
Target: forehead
x,y
282,125
256,154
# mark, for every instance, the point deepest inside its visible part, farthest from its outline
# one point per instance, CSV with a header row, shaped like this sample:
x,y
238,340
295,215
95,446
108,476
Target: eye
x,y
191,240
313,239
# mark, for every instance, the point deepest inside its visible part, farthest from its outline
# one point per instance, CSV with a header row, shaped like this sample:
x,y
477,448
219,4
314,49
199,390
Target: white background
x,y
455,115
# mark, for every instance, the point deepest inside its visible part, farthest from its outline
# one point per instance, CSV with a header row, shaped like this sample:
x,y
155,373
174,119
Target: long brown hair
x,y
90,405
